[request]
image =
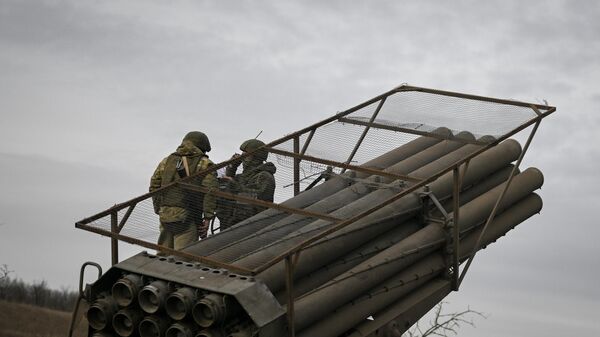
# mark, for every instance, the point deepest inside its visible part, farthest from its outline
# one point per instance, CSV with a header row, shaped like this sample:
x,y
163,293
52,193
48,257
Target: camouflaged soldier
x,y
255,181
184,214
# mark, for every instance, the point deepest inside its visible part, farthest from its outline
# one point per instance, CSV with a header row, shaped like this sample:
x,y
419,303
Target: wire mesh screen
x,y
426,111
298,187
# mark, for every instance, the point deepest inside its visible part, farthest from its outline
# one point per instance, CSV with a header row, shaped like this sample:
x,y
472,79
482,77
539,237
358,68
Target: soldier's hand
x,y
236,161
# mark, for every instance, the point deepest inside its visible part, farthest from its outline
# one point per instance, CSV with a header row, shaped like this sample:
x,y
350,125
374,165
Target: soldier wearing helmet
x,y
256,181
184,214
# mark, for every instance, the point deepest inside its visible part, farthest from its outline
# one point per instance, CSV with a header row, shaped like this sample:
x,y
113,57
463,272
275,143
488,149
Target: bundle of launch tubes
x,y
386,239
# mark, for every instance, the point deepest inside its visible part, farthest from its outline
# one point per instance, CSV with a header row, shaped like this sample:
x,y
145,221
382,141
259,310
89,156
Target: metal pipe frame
x,y
296,166
455,228
114,242
364,133
450,225
299,155
204,260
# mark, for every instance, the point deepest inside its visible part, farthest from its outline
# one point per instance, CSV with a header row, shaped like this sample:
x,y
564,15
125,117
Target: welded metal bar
x,y
411,131
259,202
342,165
535,109
289,281
499,200
149,245
455,227
296,166
473,97
364,133
126,217
438,205
307,141
114,243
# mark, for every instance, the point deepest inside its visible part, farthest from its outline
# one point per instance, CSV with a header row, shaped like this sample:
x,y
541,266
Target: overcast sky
x,y
94,93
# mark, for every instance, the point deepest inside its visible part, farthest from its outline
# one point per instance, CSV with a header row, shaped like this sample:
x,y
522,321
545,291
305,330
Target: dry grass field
x,y
23,320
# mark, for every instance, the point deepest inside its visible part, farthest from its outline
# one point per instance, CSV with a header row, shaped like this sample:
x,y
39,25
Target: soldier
x,y
255,181
184,214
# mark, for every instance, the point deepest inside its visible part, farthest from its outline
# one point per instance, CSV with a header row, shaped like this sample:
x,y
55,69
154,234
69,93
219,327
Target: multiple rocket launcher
x,y
384,265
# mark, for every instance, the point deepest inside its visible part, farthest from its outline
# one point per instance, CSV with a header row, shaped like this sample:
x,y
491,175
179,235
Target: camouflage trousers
x,y
177,241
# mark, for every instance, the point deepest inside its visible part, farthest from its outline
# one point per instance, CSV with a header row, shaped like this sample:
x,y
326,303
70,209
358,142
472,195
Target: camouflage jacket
x,y
256,181
175,203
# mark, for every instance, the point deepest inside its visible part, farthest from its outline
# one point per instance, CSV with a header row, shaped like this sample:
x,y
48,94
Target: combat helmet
x,y
199,139
252,145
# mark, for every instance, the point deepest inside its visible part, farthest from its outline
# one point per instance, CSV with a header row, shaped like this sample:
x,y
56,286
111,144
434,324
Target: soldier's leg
x,y
165,238
186,238
225,214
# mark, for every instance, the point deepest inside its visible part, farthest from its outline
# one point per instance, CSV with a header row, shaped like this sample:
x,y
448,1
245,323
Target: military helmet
x,y
252,145
199,139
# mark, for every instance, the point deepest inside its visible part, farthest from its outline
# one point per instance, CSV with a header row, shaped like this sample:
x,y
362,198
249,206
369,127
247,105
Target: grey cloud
x,y
104,90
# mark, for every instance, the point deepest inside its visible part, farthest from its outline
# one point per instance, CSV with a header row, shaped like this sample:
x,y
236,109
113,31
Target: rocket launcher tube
x,y
306,198
126,289
211,333
455,152
126,321
179,303
353,236
209,310
290,223
384,241
349,285
181,329
152,326
152,297
397,287
100,313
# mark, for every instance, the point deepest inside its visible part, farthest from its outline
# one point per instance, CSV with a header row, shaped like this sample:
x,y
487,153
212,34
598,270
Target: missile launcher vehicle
x,y
379,211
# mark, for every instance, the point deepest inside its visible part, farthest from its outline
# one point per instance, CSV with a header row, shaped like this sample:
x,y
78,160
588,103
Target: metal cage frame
x,y
291,256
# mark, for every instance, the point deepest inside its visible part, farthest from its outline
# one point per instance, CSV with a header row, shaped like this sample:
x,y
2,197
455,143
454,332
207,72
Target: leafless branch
x,y
444,325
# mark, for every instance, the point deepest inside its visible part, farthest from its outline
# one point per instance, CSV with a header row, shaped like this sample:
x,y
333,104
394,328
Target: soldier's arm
x,y
265,187
209,182
231,169
156,183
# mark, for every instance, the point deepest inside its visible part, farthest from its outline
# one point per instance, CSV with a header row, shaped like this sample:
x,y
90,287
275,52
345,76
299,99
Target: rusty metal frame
x,y
291,255
204,260
290,266
296,166
364,133
114,242
457,182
